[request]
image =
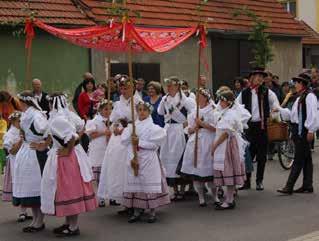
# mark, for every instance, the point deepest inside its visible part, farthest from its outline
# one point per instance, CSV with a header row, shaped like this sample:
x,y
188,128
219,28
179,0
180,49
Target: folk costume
x,y
113,173
29,163
66,187
259,101
304,120
175,110
229,154
12,137
98,145
149,189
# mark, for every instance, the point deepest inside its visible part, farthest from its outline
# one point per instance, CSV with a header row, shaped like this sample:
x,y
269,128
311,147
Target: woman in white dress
x,y
113,173
30,160
228,149
99,132
175,107
203,173
147,190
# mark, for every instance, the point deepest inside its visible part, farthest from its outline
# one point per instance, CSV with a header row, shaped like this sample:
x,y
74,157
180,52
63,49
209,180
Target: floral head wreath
x,y
227,98
147,105
172,80
205,92
31,99
14,115
104,102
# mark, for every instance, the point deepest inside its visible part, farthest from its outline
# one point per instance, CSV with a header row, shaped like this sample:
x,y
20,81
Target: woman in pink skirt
x,y
66,189
147,190
228,149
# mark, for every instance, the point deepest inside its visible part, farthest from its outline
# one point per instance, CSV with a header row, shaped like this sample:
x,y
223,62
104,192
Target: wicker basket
x,y
277,131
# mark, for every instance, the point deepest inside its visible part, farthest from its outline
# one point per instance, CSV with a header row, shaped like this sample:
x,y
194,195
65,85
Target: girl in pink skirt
x,y
12,142
147,190
66,189
228,149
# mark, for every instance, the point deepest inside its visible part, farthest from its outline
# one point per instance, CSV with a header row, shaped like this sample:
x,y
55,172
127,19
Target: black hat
x,y
304,78
258,70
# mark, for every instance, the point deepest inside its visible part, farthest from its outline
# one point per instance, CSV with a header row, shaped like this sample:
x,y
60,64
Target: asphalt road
x,y
259,216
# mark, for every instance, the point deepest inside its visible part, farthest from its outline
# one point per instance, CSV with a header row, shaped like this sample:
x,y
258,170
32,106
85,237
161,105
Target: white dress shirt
x,y
311,123
255,114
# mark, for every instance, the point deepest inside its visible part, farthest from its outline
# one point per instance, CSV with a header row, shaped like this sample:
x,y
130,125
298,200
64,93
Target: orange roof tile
x,y
49,11
313,36
219,13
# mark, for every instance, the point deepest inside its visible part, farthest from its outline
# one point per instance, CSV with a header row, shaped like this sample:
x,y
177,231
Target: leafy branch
x,y
263,53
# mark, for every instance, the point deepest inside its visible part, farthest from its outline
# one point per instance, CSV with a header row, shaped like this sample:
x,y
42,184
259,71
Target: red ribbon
x,y
29,32
202,36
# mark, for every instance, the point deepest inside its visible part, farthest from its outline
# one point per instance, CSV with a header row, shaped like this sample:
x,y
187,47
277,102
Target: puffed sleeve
x,y
311,122
77,121
41,123
273,100
161,106
90,127
8,141
156,139
126,135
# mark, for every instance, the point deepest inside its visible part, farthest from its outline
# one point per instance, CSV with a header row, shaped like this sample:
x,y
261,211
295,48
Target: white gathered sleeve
x,y
40,123
90,127
311,122
161,107
285,114
273,100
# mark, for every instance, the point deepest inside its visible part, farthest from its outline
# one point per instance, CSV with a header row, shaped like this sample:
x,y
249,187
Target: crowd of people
x,y
188,140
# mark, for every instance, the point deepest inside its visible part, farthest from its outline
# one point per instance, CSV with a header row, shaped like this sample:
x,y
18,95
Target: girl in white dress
x,y
12,142
30,160
175,107
99,133
203,173
113,173
228,149
147,190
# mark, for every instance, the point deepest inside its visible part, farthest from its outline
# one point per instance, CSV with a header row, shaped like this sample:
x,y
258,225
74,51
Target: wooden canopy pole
x,y
108,86
28,74
197,107
134,162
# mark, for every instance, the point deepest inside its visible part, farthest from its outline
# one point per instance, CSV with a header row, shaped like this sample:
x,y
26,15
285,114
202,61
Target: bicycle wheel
x,y
286,151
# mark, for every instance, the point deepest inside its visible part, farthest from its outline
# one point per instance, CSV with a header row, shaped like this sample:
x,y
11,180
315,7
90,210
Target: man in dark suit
x,y
40,95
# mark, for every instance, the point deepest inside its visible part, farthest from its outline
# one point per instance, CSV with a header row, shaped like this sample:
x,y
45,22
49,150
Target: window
x,y
291,6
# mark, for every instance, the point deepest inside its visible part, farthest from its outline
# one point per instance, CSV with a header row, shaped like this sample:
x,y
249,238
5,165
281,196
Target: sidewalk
x,y
308,237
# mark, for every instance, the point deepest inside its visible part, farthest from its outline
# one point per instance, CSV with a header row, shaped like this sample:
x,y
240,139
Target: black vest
x,y
247,101
302,103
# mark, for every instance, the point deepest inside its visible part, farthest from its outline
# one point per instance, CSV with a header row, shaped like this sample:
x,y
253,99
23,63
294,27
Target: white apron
x,y
205,141
149,179
113,172
26,172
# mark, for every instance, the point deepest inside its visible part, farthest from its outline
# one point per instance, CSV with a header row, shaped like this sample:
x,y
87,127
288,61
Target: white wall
x,y
307,11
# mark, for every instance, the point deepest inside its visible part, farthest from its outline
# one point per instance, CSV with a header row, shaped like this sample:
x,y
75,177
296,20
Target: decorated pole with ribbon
x,y
29,32
134,162
202,44
108,86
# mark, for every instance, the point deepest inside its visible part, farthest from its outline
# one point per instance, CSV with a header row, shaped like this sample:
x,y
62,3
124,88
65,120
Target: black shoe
x,y
102,203
31,229
24,217
67,232
304,190
152,219
259,187
285,191
114,203
60,229
246,186
134,218
229,207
